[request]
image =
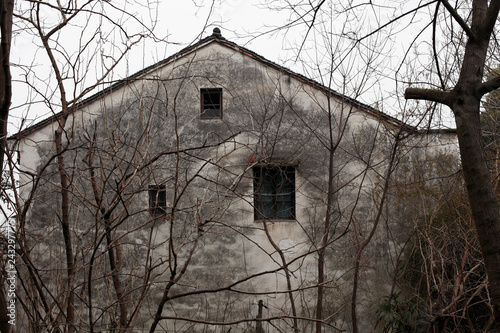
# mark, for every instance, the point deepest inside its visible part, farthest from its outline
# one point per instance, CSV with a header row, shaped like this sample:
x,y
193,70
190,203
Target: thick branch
x,y
491,16
432,95
459,19
488,86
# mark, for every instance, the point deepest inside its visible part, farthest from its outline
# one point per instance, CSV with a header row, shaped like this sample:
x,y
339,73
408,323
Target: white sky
x,y
183,22
238,20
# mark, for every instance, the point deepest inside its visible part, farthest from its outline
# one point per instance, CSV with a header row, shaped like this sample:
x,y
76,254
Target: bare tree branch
x,y
459,19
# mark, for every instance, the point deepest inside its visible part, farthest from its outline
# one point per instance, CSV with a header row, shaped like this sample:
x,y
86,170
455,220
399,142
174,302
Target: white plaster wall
x,y
242,248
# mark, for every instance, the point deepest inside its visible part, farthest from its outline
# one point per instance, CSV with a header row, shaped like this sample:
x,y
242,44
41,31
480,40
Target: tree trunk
x,y
6,11
465,101
484,204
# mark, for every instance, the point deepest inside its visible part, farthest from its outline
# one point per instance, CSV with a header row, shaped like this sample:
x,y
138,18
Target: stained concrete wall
x,y
150,132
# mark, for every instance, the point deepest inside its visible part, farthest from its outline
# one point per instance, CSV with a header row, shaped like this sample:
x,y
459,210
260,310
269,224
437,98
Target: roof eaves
x,y
222,41
118,84
364,107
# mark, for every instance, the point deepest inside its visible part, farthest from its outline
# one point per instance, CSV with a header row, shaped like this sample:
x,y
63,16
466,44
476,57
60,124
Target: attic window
x,y
211,103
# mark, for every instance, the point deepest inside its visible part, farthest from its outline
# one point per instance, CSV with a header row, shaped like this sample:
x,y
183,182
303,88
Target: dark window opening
x,y
157,200
274,192
211,103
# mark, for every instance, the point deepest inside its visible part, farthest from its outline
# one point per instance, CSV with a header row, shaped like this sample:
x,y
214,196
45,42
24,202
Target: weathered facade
x,y
204,184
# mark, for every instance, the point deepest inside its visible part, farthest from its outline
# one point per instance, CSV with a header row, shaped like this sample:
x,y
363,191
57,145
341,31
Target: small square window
x,y
157,200
274,192
211,103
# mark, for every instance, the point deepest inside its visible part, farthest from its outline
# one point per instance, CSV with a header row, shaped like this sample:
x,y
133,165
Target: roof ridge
x,y
113,86
215,37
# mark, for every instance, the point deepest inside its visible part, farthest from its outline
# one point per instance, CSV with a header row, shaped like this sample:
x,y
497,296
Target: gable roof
x,y
216,37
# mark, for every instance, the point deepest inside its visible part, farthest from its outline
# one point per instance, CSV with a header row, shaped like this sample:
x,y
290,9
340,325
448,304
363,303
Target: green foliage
x,y
398,313
441,268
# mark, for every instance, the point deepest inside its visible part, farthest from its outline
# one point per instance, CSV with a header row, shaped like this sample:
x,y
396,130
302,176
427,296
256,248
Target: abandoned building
x,y
214,191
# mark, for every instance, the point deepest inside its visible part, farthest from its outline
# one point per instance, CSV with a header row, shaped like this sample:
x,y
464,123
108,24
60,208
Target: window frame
x,y
211,106
157,200
280,181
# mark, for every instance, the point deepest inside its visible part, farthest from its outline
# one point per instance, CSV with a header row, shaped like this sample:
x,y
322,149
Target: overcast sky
x,y
238,20
183,22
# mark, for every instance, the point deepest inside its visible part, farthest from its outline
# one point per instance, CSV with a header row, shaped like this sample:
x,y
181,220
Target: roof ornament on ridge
x,y
216,33
217,36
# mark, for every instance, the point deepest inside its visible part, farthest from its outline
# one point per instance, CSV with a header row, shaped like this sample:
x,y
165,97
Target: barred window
x,y
274,192
157,200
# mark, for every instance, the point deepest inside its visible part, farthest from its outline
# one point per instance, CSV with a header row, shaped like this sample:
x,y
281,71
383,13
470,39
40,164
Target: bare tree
x,y
461,40
464,98
69,72
440,280
6,12
143,211
7,8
